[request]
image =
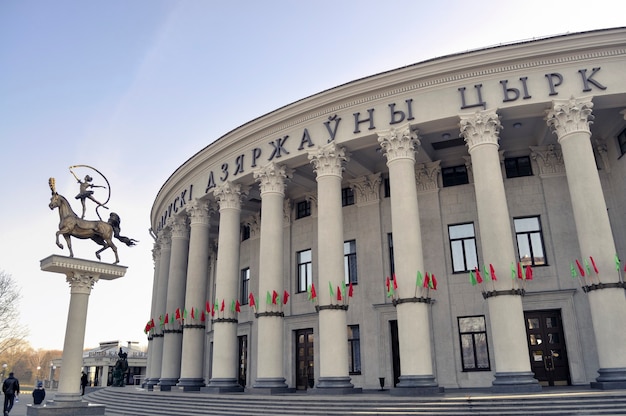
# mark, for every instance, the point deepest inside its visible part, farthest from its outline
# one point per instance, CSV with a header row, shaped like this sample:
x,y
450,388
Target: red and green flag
x,y
513,275
237,306
593,263
343,288
572,270
587,267
251,301
427,280
177,317
312,292
339,294
167,319
207,307
202,317
580,268
395,282
479,278
493,273
285,297
275,297
193,313
332,291
520,275
350,290
268,298
617,262
529,272
433,282
472,278
232,305
223,306
419,280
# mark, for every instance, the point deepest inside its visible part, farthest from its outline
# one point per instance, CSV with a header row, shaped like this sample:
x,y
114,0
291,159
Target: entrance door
x,y
546,343
305,367
395,351
243,360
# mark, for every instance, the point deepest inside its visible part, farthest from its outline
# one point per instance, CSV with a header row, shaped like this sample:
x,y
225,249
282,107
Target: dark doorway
x,y
546,343
395,351
305,355
243,360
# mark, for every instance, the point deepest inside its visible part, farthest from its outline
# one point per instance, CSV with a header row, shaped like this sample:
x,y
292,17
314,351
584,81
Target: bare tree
x,y
12,333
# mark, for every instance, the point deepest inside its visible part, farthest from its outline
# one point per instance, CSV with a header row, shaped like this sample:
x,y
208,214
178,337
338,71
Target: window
x,y
529,241
386,187
349,262
347,197
245,282
474,348
463,247
305,270
303,209
518,166
354,346
245,232
455,175
392,266
621,140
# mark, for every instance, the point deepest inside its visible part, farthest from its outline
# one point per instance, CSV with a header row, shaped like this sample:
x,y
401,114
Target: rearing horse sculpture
x,y
71,225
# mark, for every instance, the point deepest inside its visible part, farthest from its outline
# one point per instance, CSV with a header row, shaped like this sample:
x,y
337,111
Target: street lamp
x,y
4,369
38,368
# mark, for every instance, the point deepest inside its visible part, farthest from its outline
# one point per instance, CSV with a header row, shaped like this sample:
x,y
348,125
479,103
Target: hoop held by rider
x,y
86,193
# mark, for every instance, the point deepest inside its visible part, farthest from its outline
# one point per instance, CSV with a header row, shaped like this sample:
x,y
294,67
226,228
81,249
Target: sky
x,y
134,88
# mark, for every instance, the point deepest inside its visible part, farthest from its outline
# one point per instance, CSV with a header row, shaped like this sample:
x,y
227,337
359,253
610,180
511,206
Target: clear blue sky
x,y
135,88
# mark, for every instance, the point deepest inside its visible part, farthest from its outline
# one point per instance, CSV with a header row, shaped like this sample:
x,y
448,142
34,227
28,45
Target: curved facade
x,y
381,229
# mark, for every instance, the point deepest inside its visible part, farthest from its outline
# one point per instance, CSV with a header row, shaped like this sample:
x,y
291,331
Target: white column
x,y
506,314
328,165
156,257
173,337
165,243
412,312
191,374
69,386
225,345
104,377
270,352
570,120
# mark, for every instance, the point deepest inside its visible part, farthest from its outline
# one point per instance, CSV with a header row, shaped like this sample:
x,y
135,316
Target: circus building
x,y
456,223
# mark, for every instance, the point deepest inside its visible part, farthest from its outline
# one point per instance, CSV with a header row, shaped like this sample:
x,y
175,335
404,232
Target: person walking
x,y
39,394
83,383
11,389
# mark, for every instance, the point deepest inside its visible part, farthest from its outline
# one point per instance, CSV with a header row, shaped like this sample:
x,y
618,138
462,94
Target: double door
x,y
546,343
305,367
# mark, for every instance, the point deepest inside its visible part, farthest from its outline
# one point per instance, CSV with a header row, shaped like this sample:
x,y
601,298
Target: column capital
x,y
482,127
228,195
549,159
328,160
199,212
179,226
570,116
164,238
367,188
426,175
399,143
272,177
156,252
81,283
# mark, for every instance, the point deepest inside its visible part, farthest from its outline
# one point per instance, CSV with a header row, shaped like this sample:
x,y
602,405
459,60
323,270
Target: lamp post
x,y
4,369
37,377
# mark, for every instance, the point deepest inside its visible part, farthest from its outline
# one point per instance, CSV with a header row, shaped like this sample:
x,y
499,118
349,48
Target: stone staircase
x,y
132,401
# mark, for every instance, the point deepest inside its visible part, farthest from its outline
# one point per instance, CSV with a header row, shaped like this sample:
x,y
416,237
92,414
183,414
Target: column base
x,y
416,386
515,382
270,386
334,385
190,384
166,384
222,385
610,379
53,408
149,384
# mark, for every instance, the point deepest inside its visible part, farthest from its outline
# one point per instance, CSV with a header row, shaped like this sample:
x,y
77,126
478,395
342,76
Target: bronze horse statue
x,y
71,225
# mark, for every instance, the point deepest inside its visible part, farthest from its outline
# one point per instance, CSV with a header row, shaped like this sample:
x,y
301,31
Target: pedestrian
x,y
11,389
39,394
83,383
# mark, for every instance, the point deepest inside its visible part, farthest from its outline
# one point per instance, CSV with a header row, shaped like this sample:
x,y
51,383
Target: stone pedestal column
x,y
506,314
570,121
225,346
164,240
413,315
173,336
156,254
191,374
328,165
81,275
270,352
